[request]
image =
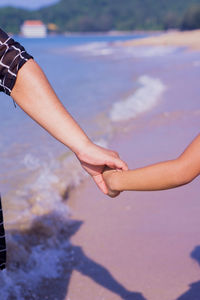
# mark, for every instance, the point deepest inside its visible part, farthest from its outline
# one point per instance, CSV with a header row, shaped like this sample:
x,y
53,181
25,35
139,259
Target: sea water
x,y
101,83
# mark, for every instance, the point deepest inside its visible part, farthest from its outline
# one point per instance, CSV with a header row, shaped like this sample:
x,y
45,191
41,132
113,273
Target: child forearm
x,y
160,176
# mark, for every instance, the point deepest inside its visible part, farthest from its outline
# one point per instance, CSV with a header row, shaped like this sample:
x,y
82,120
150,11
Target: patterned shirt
x,y
2,241
12,58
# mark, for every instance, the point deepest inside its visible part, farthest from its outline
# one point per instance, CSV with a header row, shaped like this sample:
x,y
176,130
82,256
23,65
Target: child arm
x,y
159,176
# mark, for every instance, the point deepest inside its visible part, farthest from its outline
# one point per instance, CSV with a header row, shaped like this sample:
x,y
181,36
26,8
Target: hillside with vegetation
x,y
105,15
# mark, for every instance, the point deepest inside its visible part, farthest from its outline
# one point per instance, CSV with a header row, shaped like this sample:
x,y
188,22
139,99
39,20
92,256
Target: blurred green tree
x,y
103,15
191,19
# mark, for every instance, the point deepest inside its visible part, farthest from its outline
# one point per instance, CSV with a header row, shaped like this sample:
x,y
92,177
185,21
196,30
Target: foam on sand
x,y
142,100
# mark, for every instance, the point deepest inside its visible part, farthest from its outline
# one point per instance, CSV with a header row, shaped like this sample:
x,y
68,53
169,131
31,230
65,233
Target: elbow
x,y
183,173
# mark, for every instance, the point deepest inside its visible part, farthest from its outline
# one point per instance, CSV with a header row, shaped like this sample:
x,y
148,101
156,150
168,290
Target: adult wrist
x,y
81,148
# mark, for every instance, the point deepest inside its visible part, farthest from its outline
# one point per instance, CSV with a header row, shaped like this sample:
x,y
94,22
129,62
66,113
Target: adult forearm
x,y
33,93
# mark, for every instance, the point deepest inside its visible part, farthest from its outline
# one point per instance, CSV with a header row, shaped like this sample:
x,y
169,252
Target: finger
x,y
98,179
115,154
117,163
113,194
92,169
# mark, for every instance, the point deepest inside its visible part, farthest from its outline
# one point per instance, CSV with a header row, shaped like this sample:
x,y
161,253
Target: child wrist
x,y
114,182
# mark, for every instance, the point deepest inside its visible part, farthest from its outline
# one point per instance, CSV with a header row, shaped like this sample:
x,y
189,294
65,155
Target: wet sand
x,y
144,240
145,245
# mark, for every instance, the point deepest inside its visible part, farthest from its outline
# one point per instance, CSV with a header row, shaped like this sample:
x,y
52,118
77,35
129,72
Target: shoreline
x,y
101,33
130,237
190,39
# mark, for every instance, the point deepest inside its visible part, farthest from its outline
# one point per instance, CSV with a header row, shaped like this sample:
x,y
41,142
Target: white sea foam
x,y
31,265
143,99
31,162
94,49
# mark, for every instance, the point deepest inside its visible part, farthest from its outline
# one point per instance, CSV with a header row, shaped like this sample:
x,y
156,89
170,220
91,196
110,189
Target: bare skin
x,y
160,176
34,94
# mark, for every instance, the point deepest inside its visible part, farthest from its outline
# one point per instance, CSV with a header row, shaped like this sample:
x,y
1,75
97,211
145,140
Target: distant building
x,y
34,28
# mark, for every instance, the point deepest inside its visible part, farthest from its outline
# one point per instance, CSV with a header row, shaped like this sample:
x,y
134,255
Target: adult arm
x,y
34,94
159,176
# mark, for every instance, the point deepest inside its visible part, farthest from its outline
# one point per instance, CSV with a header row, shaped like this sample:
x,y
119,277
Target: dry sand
x,y
189,39
146,245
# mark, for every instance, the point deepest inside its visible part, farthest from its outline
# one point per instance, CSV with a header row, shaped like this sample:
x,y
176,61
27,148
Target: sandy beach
x,y
65,239
146,245
190,39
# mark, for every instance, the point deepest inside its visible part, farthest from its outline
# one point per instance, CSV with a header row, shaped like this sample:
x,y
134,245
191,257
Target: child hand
x,y
107,176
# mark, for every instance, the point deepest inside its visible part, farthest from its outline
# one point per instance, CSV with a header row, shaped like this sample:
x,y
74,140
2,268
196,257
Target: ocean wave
x,y
38,234
117,50
94,49
38,257
43,186
142,100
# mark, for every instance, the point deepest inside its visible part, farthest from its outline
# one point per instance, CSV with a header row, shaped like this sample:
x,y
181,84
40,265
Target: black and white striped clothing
x,y
12,58
2,241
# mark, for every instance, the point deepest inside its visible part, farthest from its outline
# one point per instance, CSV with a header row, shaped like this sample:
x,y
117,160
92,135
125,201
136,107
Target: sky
x,y
26,3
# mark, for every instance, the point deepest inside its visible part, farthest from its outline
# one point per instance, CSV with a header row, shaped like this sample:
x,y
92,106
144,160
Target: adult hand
x,y
33,93
94,159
